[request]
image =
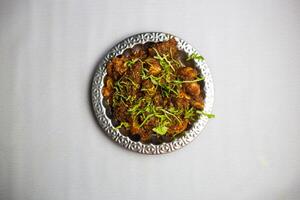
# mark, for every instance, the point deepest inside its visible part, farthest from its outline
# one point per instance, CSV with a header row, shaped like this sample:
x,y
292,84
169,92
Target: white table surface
x,y
51,148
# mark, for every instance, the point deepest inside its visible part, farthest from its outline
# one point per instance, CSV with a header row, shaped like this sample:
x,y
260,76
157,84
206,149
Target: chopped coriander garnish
x,y
190,113
192,81
125,124
195,56
173,115
209,115
161,129
133,83
130,63
146,119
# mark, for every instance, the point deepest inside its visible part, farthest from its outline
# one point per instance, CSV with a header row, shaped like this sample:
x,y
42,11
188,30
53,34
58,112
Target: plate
x,y
100,110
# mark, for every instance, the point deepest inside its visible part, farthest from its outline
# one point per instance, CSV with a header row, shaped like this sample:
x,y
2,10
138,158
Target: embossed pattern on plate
x,y
105,121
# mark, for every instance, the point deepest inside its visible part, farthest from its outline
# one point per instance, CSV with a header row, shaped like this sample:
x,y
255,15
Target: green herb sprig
x,y
125,124
189,81
130,63
195,56
209,115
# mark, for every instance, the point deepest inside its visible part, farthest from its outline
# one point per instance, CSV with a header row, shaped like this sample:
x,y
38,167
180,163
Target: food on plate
x,y
154,92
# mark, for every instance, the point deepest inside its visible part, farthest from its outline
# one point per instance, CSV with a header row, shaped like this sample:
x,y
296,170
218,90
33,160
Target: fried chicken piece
x,y
155,67
165,48
187,73
192,89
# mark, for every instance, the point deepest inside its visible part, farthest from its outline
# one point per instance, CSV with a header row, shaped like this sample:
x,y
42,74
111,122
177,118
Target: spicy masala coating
x,y
151,92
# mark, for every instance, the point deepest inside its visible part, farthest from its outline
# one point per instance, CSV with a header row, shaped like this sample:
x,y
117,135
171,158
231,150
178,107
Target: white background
x,y
51,148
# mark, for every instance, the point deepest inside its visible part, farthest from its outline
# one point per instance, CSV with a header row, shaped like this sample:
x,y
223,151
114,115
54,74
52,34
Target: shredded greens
x,y
130,63
209,115
195,56
125,124
161,129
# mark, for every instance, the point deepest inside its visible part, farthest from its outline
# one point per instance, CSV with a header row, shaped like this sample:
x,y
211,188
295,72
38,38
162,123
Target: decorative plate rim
x,y
100,110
